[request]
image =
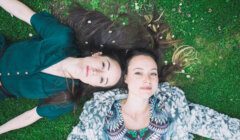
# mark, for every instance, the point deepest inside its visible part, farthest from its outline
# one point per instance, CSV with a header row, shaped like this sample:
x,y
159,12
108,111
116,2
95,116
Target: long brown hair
x,y
94,31
148,31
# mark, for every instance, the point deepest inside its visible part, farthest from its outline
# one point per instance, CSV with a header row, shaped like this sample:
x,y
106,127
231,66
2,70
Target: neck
x,y
135,104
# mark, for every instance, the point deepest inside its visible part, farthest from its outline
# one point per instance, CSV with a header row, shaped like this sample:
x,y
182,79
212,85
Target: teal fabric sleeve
x,y
52,111
57,39
48,26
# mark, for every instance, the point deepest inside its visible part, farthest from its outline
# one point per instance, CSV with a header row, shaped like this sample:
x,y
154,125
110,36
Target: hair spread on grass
x,y
94,31
184,56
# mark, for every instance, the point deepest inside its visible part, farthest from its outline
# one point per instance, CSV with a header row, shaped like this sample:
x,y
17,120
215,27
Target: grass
x,y
211,27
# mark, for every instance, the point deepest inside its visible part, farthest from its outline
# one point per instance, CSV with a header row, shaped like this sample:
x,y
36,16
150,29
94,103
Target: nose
x,y
97,71
147,79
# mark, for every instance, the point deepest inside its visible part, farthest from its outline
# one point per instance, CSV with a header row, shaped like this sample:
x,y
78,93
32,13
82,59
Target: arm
x,y
209,123
20,121
45,24
17,9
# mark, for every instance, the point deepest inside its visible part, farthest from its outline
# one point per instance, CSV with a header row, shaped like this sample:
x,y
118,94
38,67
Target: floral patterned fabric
x,y
185,118
158,126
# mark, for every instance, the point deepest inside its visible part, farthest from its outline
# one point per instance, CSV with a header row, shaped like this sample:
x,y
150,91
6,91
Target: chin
x,y
147,95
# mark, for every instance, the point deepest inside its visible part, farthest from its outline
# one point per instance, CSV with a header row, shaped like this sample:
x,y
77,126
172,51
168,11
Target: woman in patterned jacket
x,y
149,110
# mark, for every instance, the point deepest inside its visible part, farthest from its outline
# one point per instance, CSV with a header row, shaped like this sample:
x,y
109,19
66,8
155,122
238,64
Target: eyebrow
x,y
108,69
108,64
106,81
142,69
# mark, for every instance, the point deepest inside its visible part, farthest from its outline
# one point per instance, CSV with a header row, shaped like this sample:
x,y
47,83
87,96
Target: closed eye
x,y
101,80
138,73
154,74
103,65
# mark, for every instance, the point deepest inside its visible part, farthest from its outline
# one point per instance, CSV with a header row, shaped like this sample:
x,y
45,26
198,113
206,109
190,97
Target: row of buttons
x,y
8,74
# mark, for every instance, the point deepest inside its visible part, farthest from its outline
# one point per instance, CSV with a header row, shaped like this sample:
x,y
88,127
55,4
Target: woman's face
x,y
100,71
142,76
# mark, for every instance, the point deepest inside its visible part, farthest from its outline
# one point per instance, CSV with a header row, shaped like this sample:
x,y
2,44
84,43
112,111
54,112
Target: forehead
x,y
114,72
111,60
142,61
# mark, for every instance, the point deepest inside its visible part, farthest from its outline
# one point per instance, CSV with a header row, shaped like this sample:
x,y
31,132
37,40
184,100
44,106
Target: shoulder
x,y
92,118
166,91
97,108
174,103
44,22
52,111
173,100
113,120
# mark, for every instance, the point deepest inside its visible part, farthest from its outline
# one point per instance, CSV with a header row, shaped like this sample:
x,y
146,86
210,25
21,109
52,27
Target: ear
x,y
97,54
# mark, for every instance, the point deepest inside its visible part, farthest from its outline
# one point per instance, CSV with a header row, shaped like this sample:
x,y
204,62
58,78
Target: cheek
x,y
131,80
155,87
155,83
132,88
92,81
155,80
131,84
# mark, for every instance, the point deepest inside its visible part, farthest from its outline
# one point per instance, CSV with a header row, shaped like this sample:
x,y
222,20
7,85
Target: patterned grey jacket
x,y
187,117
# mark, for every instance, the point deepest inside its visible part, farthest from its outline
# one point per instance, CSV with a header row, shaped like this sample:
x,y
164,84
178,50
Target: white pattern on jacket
x,y
187,117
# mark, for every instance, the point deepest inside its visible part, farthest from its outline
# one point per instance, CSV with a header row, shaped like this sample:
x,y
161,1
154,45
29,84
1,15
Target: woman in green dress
x,y
43,67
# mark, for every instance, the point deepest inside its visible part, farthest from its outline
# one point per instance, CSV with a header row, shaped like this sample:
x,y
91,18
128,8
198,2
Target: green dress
x,y
21,64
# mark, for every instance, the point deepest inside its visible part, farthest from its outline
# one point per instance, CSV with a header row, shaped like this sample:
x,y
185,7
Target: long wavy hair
x,y
95,32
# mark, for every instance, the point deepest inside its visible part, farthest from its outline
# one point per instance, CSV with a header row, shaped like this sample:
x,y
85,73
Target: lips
x,y
146,88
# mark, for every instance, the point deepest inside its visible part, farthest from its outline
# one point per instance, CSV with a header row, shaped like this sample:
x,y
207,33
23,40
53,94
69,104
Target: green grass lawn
x,y
211,27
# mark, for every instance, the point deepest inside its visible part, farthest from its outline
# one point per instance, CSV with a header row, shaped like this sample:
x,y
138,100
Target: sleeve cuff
x,y
35,18
51,111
